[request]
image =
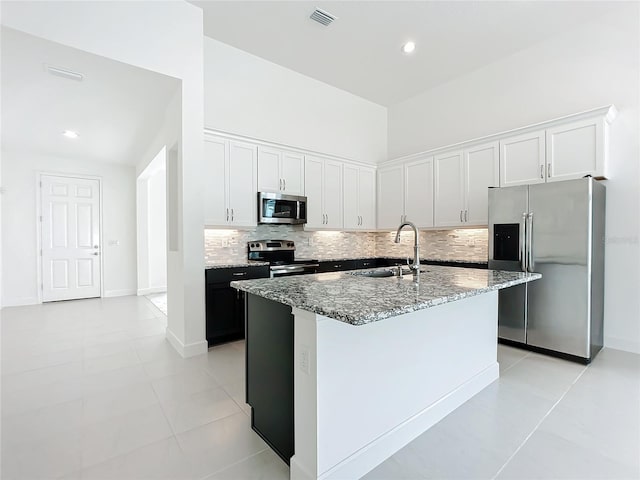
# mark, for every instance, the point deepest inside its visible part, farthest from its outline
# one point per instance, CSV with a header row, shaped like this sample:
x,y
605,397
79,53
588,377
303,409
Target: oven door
x,y
278,208
291,270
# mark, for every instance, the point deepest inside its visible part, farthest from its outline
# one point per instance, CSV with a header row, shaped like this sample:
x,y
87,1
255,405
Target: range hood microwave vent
x,y
322,17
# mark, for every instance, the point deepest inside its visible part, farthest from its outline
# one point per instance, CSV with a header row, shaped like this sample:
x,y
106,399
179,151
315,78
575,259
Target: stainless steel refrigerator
x,y
556,229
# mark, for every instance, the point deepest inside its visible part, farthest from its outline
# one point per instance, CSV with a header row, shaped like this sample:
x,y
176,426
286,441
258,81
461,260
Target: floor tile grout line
x,y
535,428
208,475
515,363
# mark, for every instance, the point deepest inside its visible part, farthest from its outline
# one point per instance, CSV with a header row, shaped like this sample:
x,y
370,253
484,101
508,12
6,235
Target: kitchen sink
x,y
384,273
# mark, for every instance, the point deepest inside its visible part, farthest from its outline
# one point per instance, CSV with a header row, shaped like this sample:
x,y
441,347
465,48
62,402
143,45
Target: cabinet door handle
x,y
232,214
327,219
239,274
548,170
542,171
460,216
227,214
284,184
466,215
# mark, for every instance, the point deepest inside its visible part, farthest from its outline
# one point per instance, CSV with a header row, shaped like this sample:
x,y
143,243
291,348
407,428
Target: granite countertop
x,y
359,300
238,263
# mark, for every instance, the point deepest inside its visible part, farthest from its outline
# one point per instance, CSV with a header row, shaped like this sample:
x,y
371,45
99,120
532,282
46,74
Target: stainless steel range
x,y
281,256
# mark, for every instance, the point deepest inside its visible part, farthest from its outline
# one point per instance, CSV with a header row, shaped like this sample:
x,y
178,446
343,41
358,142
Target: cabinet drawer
x,y
225,275
337,266
366,263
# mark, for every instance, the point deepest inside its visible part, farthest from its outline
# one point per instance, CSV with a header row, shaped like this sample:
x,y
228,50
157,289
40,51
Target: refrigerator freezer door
x,y
559,304
506,250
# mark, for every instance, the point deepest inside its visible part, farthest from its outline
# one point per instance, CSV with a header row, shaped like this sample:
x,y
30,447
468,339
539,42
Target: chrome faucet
x,y
415,267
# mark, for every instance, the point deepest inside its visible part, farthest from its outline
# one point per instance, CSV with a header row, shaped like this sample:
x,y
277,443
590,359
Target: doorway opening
x,y
151,201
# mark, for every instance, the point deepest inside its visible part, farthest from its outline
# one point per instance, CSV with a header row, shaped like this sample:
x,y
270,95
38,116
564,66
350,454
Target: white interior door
x,y
70,232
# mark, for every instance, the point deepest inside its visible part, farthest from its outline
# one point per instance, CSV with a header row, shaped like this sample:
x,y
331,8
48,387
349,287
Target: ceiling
x,y
360,51
116,109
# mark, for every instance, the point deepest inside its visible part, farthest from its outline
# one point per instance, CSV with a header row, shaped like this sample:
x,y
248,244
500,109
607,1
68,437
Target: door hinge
x,y
41,218
40,184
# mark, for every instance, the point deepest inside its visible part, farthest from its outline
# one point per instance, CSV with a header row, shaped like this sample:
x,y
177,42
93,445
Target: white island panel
x,y
362,393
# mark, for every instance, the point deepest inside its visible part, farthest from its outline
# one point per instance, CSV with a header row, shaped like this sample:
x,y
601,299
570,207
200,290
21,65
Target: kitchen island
x,y
367,364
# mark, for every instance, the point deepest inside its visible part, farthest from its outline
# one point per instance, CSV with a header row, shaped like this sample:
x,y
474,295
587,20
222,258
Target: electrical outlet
x,y
310,241
305,360
224,242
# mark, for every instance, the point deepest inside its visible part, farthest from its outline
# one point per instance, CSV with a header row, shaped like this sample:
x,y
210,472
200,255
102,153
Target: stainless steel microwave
x,y
279,208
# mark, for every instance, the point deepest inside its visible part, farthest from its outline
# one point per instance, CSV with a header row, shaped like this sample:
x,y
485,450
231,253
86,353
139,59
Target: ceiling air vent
x,y
320,16
64,73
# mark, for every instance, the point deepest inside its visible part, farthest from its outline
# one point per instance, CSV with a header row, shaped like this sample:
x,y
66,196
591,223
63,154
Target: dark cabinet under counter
x,y
225,305
336,266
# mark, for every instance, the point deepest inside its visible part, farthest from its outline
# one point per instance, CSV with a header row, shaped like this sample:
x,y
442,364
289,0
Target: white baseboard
x,y
186,351
19,302
119,293
370,456
150,290
626,344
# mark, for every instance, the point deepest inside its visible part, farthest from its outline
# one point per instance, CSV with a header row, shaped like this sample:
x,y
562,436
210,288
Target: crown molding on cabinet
x,y
284,146
608,112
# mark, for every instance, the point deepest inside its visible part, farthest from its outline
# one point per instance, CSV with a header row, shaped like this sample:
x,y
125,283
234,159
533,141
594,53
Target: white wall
x,y
584,68
250,96
19,236
151,209
164,37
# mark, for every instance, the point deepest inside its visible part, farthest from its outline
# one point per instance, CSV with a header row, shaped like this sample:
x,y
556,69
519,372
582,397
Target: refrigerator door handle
x,y
530,264
523,242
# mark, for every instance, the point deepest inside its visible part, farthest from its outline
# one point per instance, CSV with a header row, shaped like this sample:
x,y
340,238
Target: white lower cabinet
x,y
359,197
323,188
231,173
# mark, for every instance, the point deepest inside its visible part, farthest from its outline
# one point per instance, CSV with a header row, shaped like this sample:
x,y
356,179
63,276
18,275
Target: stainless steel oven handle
x,y
522,242
530,264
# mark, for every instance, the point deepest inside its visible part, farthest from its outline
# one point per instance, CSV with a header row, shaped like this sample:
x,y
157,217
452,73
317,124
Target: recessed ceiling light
x,y
408,47
70,134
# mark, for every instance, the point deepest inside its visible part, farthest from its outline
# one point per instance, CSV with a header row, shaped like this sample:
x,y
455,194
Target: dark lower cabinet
x,y
269,351
337,266
225,305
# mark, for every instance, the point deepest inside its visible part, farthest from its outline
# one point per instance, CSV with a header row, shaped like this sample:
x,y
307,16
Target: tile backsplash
x,y
229,246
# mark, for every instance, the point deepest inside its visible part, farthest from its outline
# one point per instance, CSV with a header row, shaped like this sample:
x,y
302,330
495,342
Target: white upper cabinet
x,y
313,168
367,198
449,189
216,154
280,171
332,194
576,149
359,197
243,175
269,178
292,172
390,197
323,186
481,171
231,173
522,159
418,192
